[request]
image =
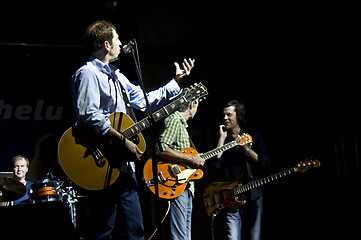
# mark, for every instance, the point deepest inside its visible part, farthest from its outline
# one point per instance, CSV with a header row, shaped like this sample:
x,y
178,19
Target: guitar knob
x,y
173,193
165,193
197,173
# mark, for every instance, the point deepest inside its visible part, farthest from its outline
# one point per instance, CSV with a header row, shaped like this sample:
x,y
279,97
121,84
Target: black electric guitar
x,y
219,195
88,162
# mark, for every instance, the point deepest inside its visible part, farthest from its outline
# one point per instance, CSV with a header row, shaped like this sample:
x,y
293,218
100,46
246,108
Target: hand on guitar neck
x,y
194,161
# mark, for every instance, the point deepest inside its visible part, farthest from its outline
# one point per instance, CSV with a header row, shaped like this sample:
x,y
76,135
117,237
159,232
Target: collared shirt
x,y
96,95
175,136
175,133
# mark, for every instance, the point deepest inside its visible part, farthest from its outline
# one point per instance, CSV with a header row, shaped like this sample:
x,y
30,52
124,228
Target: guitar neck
x,y
159,114
220,149
249,186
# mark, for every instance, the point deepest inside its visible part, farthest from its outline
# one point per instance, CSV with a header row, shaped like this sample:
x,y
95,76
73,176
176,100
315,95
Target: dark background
x,y
295,64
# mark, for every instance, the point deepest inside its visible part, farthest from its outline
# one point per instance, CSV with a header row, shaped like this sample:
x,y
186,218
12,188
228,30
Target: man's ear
x,y
107,46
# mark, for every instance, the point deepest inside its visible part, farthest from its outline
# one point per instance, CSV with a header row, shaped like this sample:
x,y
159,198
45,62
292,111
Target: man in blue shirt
x,y
21,168
98,90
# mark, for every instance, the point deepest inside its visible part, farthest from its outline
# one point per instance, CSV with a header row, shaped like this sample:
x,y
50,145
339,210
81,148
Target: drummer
x,y
21,168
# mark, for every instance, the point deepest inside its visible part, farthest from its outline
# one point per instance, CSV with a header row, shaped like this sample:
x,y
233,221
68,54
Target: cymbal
x,y
11,189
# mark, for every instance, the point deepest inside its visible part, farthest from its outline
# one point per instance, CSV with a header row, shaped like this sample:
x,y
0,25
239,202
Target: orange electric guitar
x,y
90,162
219,195
172,178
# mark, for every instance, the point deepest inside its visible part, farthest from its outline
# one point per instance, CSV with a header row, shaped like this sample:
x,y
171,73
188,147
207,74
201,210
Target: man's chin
x,y
227,126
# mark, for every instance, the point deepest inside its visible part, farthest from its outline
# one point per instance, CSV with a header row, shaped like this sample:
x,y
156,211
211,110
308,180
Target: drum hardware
x,y
45,190
54,191
70,198
51,189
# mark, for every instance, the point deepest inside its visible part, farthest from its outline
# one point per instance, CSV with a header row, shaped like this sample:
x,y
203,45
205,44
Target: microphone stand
x,y
154,132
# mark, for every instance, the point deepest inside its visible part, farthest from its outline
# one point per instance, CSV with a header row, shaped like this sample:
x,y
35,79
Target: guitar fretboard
x,y
249,186
159,114
223,148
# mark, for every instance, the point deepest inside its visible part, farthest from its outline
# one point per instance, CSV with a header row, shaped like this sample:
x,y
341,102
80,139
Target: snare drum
x,y
45,190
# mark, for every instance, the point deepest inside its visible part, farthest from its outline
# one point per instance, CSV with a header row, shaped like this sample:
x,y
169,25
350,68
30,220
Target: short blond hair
x,y
21,156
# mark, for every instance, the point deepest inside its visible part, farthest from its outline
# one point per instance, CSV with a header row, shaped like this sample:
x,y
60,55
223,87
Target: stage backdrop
x,y
35,101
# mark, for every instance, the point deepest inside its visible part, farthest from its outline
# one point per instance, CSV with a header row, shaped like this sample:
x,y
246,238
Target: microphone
x,y
128,48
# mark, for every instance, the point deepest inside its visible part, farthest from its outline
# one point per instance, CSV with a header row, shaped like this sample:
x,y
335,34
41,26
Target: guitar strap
x,y
126,166
249,170
248,165
128,107
192,144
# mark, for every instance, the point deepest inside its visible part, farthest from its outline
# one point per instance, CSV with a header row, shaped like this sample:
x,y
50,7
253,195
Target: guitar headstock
x,y
244,139
305,166
195,91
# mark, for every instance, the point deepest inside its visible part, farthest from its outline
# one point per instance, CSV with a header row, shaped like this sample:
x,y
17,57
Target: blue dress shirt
x,y
96,95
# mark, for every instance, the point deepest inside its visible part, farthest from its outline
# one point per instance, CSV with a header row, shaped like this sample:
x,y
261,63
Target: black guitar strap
x,y
128,107
248,165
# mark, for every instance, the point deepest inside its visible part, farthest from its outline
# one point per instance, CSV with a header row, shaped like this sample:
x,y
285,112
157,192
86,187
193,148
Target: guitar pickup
x,y
160,179
174,171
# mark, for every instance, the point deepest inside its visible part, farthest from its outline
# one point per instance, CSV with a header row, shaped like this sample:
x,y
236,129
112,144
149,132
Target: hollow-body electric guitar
x,y
172,178
87,159
220,195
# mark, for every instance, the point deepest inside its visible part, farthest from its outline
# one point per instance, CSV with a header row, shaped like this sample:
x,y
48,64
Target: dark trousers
x,y
115,212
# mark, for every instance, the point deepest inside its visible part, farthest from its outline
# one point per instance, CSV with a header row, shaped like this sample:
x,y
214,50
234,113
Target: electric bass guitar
x,y
91,162
172,178
220,195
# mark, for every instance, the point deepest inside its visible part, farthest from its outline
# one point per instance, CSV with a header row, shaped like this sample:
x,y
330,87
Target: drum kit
x,y
43,191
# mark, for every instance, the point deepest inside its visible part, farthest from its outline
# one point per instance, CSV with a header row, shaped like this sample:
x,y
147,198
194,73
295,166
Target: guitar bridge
x,y
96,154
160,179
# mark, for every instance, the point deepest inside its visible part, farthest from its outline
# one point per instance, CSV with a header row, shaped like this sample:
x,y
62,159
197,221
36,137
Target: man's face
x,y
20,168
116,46
229,118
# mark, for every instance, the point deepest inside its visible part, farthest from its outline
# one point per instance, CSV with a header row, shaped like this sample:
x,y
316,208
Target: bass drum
x,y
45,190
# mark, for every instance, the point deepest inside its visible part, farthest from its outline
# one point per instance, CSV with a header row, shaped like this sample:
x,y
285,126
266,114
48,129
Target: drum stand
x,y
69,198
